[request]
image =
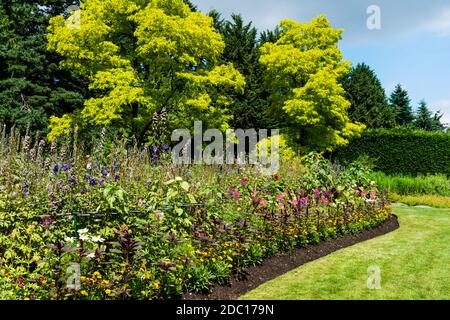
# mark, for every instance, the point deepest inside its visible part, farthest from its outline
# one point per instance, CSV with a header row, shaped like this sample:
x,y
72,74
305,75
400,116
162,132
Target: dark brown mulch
x,y
280,264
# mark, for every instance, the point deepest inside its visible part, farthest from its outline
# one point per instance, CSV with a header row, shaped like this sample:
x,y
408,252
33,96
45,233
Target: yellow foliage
x,y
284,149
144,55
60,126
303,68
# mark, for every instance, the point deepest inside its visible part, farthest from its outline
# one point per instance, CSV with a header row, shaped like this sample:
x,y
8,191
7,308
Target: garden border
x,y
283,263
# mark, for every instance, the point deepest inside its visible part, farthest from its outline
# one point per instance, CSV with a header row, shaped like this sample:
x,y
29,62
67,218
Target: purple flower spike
x,y
92,182
155,148
56,168
65,167
101,182
104,172
148,183
166,147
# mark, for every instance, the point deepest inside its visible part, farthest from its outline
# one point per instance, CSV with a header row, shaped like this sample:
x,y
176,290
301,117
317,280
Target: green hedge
x,y
404,151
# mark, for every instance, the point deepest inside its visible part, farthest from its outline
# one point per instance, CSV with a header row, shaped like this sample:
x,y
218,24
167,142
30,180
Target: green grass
x,y
406,185
414,262
427,200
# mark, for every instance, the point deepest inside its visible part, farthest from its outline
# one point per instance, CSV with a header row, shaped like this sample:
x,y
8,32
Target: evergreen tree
x,y
217,19
401,104
368,98
250,108
32,86
270,35
424,119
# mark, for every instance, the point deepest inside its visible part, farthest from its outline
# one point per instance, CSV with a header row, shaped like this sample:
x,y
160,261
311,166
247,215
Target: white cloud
x,y
440,24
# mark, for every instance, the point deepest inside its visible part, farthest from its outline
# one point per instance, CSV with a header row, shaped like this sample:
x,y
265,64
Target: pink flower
x,y
317,193
325,201
262,201
304,201
295,202
235,193
280,206
243,182
281,197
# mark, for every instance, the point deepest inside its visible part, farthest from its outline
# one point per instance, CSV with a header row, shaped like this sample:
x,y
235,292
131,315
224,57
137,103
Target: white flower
x,y
91,255
89,166
159,215
84,237
97,239
69,239
83,231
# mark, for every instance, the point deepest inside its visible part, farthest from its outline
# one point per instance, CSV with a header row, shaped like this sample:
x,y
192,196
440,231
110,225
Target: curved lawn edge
x,y
280,264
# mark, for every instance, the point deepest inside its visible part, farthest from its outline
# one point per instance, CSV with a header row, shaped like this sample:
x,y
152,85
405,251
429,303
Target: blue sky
x,y
411,48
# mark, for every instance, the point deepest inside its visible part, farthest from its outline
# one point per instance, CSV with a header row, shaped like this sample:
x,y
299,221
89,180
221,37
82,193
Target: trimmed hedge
x,y
404,151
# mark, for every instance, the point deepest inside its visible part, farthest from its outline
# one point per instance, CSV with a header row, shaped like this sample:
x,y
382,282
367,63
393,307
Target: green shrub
x,y
437,184
401,151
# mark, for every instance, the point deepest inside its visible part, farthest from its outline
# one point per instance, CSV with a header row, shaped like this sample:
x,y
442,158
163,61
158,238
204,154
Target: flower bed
x,y
131,225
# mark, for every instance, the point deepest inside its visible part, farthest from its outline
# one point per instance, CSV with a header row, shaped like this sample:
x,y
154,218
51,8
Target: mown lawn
x,y
414,262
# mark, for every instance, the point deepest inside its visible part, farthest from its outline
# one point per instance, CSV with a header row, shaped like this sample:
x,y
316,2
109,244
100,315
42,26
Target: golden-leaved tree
x,y
139,57
303,68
